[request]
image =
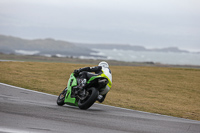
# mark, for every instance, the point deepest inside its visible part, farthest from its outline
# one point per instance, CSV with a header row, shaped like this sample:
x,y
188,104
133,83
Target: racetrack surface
x,y
24,111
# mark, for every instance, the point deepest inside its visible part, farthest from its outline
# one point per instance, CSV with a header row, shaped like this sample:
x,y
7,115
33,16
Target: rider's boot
x,y
100,98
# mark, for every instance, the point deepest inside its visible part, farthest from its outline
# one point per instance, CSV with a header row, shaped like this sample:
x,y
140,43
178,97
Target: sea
x,y
171,58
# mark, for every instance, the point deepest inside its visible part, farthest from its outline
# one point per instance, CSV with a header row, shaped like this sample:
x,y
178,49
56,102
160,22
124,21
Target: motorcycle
x,y
83,97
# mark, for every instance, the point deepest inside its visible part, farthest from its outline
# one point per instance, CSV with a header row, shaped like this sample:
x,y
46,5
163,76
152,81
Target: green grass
x,y
163,90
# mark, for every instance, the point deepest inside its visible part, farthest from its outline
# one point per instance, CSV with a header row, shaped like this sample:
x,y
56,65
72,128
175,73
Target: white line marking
x,y
9,130
26,89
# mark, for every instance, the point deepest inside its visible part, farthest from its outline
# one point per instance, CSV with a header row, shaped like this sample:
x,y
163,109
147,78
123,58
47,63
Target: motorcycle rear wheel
x,y
89,100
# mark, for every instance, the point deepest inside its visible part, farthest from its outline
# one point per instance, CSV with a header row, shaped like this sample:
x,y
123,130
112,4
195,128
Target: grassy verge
x,y
163,90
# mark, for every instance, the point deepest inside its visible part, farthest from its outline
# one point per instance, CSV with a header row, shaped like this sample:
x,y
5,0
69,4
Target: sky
x,y
148,23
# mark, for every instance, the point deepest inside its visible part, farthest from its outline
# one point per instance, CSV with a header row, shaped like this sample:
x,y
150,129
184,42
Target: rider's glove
x,y
76,72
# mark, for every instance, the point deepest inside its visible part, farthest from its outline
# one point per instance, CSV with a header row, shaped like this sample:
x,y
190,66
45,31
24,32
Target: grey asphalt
x,y
25,111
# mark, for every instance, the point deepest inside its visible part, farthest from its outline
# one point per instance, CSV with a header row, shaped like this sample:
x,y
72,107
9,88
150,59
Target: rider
x,y
103,70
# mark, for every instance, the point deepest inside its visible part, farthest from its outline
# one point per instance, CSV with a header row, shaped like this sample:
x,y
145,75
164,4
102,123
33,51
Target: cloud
x,y
150,23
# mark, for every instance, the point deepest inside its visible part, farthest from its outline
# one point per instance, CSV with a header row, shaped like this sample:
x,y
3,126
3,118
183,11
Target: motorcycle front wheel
x,y
61,98
89,100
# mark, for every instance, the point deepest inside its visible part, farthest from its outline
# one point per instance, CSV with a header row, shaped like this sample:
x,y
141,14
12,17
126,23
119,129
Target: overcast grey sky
x,y
149,23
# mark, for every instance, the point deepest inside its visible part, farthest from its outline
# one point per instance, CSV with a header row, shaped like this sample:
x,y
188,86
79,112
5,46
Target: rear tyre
x,y
89,100
61,98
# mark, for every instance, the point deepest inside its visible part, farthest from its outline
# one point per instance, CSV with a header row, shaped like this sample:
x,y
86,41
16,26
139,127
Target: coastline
x,y
76,60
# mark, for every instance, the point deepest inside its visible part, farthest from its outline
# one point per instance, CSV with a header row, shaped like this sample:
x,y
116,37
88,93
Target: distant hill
x,y
9,44
130,47
51,47
114,46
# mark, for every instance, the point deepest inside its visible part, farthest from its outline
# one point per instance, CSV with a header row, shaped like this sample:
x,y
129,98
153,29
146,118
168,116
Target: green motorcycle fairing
x,y
71,83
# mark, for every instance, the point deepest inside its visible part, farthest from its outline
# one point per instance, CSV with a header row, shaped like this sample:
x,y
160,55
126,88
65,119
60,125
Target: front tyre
x,y
89,100
61,98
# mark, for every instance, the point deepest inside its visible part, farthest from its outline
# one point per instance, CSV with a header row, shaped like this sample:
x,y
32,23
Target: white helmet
x,y
103,64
